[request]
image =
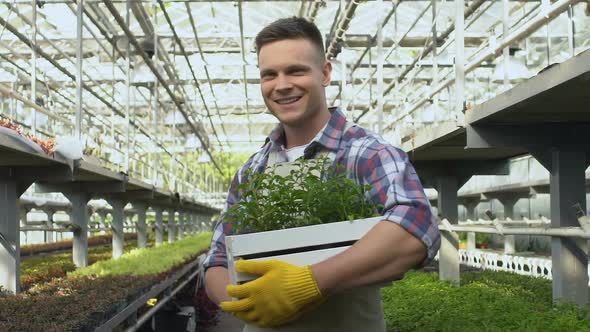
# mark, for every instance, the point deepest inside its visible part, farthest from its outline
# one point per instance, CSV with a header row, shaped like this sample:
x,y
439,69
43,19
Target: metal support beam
x,y
117,226
181,216
194,223
566,155
508,200
95,187
380,60
171,226
159,226
79,217
447,208
243,54
79,71
462,170
459,55
103,221
447,176
569,255
471,241
33,96
49,235
470,205
10,191
141,225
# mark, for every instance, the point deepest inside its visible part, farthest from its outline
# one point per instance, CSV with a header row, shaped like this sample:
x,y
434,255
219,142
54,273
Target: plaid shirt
x,y
368,159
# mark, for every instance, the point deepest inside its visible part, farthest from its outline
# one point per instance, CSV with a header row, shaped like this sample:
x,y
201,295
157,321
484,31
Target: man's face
x,y
293,78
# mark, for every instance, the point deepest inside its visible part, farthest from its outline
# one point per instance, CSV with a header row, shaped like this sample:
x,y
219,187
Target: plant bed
x,y
485,301
58,246
43,268
90,296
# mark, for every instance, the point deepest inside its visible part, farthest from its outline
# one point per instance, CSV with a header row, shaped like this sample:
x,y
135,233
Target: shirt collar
x,y
329,137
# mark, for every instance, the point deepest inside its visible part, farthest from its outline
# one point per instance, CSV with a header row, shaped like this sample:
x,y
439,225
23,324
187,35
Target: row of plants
x,y
485,301
90,296
40,269
33,249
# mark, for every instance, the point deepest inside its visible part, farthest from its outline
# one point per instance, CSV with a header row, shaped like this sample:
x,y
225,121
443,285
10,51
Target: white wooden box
x,y
300,246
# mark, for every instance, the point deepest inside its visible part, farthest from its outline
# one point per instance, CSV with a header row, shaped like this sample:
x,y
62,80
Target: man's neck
x,y
301,135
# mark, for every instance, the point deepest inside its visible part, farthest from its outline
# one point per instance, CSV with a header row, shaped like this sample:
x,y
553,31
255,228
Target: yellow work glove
x,y
278,296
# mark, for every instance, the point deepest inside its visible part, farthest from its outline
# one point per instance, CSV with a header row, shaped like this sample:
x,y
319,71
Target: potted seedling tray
x,y
299,246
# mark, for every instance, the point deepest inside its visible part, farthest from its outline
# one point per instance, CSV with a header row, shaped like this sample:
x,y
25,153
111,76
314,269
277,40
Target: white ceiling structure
x,y
208,82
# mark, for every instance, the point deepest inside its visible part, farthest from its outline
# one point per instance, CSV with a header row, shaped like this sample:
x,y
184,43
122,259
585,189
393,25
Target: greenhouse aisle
x,y
227,323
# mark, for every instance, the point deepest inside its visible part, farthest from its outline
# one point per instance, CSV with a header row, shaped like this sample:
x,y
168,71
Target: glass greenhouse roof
x,y
209,85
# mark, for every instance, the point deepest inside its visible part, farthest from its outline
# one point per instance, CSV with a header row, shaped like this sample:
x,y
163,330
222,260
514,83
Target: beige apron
x,y
356,310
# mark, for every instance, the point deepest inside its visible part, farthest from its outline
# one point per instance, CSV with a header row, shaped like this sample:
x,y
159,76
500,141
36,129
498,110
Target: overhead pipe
x,y
116,48
368,48
520,33
342,27
143,18
26,75
194,28
313,10
243,52
150,64
576,232
144,22
182,50
15,95
395,46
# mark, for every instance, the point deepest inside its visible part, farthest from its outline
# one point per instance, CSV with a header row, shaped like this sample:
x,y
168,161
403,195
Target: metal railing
x,y
537,266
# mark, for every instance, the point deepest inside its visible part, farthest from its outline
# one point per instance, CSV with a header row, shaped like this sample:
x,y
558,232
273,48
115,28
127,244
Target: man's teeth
x,y
288,101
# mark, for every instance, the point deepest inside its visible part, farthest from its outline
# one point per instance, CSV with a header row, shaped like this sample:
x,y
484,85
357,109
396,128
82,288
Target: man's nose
x,y
283,83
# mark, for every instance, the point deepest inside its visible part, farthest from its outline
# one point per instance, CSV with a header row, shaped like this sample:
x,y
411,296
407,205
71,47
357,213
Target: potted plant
x,y
482,240
303,217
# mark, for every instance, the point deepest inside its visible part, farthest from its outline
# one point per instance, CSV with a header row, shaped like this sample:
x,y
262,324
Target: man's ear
x,y
327,73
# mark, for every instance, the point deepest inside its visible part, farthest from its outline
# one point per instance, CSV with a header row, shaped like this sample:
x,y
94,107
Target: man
x,y
294,74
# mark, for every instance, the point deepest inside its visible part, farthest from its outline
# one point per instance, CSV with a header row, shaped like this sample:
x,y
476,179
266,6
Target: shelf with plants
x,y
307,215
91,296
51,247
485,301
44,268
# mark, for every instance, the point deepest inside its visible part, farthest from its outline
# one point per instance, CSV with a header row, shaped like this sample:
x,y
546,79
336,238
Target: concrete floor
x,y
227,323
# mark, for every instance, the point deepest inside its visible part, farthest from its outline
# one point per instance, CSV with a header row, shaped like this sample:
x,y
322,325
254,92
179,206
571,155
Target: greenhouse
x,y
310,165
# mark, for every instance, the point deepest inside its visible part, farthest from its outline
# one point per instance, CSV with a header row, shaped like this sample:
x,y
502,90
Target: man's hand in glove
x,y
278,296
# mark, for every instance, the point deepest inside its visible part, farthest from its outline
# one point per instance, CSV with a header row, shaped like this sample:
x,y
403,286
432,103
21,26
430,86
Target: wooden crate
x,y
300,246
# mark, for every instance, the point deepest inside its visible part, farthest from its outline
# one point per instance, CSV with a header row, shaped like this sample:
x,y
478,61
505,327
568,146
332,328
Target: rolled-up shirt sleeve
x,y
396,186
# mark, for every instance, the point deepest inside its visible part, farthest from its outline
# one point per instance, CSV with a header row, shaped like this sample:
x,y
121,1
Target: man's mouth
x,y
286,101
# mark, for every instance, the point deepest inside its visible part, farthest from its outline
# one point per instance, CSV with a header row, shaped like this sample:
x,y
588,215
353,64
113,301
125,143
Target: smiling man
x,y
335,294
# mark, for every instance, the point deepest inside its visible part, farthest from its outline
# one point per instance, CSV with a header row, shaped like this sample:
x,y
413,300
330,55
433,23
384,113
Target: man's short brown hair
x,y
290,28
